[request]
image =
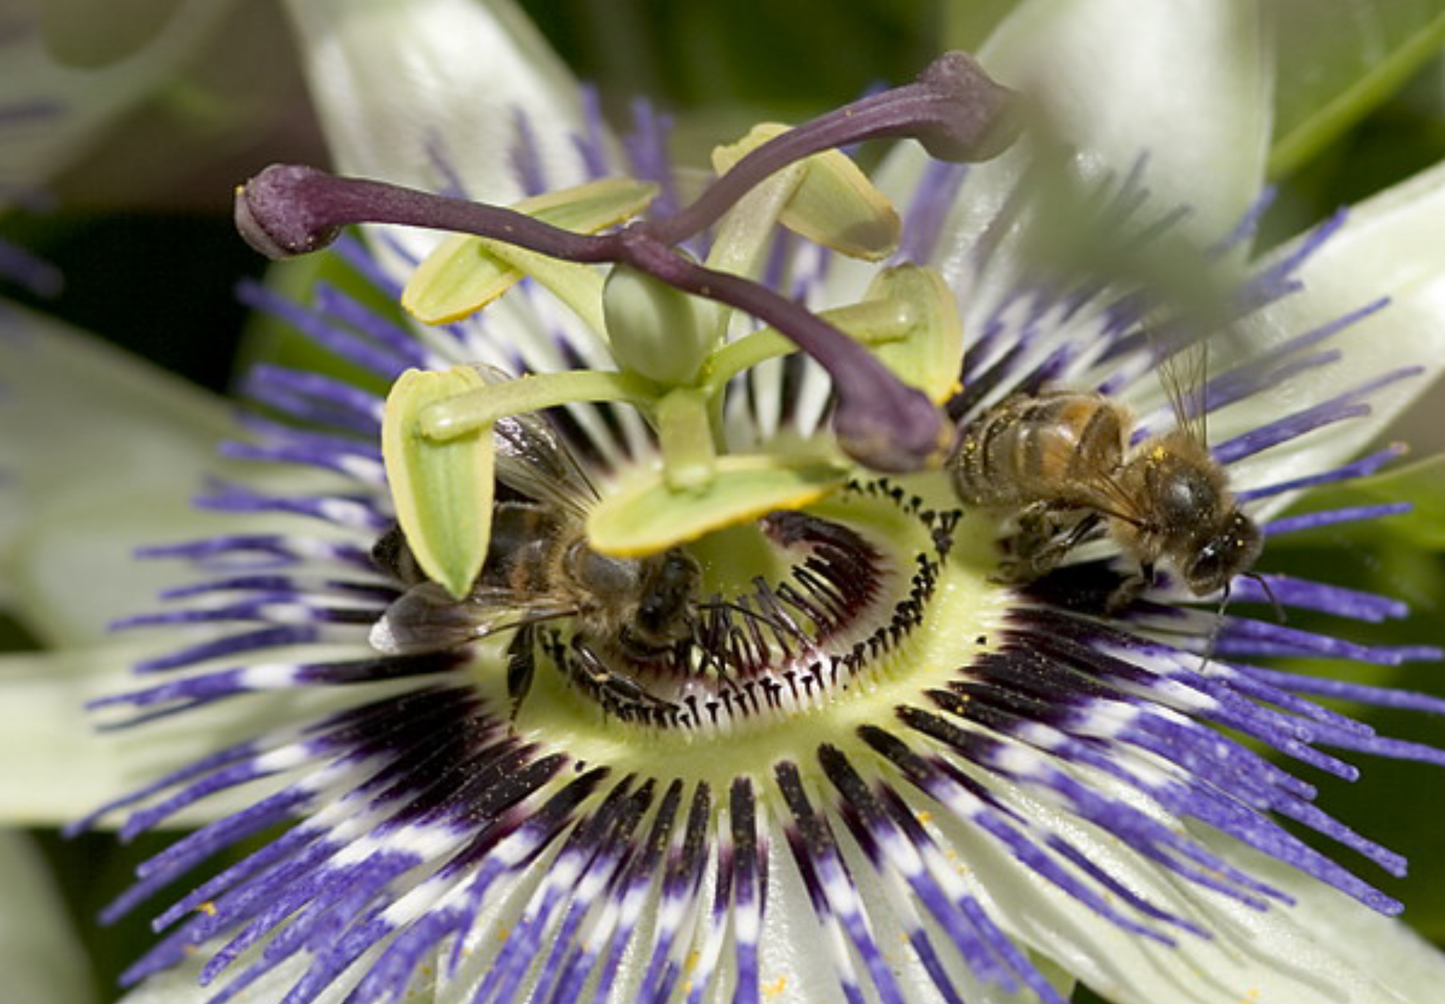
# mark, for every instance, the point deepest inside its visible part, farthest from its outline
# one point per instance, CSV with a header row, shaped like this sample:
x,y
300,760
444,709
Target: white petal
x,y
1186,84
60,768
181,985
797,968
1383,947
101,454
87,428
397,83
1389,246
84,101
41,958
1280,955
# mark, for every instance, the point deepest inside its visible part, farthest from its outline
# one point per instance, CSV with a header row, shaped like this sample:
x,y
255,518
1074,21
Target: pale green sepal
x,y
835,204
442,491
88,102
90,34
931,355
654,329
43,961
466,273
648,516
59,767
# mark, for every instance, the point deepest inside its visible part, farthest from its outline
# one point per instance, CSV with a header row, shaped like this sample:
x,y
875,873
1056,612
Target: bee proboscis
x,y
1060,461
539,568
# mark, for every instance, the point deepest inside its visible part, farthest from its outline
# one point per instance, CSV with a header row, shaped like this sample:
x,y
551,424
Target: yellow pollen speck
x,y
776,988
925,817
503,934
208,908
693,958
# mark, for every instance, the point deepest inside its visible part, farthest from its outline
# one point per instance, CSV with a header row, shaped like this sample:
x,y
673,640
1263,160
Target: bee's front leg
x,y
615,689
1045,534
1126,592
521,664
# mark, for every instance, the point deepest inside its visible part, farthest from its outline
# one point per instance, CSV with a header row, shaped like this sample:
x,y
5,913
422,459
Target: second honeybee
x,y
1060,462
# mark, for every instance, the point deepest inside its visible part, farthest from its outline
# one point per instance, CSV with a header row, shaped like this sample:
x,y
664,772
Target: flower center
x,y
714,591
862,613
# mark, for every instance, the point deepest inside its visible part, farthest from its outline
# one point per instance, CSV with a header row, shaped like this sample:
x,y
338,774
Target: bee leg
x,y
622,691
521,664
1126,592
1044,536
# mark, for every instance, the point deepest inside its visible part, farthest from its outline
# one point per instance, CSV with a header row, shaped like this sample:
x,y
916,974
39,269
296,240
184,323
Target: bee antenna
x,y
1214,633
779,626
1273,599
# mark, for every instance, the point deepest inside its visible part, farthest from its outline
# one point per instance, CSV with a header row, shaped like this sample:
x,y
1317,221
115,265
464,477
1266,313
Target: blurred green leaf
x,y
1422,484
83,33
1339,59
968,23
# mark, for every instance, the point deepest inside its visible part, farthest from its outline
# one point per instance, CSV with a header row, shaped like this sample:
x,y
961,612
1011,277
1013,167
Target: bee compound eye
x,y
665,601
1206,572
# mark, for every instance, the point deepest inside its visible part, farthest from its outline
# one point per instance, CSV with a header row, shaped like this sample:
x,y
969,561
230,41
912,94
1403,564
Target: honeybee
x,y
1061,460
539,568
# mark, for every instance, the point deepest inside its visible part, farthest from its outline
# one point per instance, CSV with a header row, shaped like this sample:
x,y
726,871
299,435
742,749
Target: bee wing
x,y
426,618
1110,498
532,458
1095,484
1183,374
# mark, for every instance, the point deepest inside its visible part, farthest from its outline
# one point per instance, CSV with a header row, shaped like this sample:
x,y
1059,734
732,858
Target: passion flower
x,y
870,769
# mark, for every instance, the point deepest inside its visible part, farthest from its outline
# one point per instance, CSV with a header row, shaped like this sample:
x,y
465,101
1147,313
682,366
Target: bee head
x,y
665,610
1222,555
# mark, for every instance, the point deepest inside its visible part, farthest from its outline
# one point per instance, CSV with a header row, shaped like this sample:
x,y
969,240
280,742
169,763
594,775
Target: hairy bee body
x,y
539,568
1039,448
1060,462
